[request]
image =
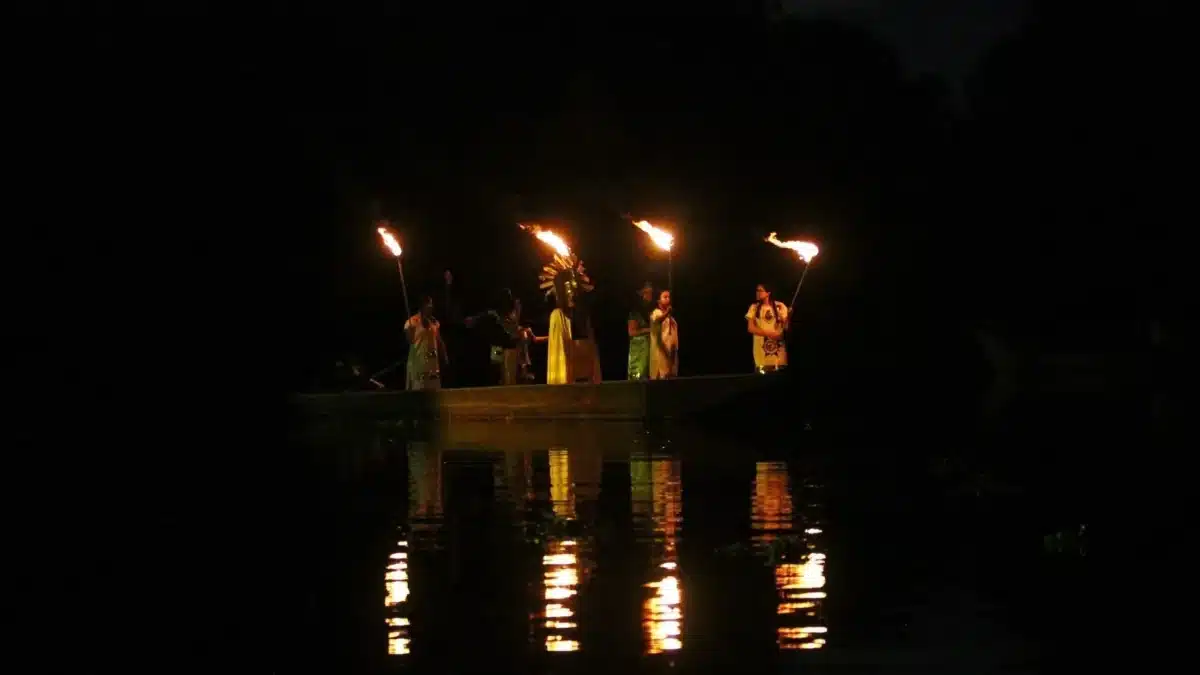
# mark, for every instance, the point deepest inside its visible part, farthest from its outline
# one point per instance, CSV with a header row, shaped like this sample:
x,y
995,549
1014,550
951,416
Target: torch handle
x,y
670,259
404,288
797,293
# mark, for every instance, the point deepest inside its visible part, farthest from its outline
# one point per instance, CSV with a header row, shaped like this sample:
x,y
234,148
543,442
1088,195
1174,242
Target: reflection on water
x,y
553,495
425,519
396,600
561,560
517,479
561,581
424,488
795,583
662,611
562,490
792,549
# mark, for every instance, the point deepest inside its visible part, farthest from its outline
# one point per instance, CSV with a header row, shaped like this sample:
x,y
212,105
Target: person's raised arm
x,y
657,323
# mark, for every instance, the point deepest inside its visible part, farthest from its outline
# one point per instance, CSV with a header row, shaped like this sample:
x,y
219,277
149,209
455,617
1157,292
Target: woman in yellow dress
x,y
564,277
558,358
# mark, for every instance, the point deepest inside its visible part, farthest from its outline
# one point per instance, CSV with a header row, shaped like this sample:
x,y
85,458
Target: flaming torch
x,y
394,246
564,261
662,239
550,239
806,250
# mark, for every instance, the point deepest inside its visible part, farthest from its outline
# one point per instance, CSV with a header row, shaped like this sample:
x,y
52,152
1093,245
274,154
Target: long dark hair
x,y
642,305
770,299
425,300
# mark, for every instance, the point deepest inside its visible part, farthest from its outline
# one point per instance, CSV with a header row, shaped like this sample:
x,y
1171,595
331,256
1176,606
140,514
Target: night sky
x,y
192,205
939,37
907,143
919,147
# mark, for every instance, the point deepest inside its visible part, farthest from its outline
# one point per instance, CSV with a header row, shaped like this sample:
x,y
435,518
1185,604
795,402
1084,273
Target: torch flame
x,y
390,241
661,238
805,249
550,239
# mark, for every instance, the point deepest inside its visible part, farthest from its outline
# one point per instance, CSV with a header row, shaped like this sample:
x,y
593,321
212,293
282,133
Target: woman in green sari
x,y
639,335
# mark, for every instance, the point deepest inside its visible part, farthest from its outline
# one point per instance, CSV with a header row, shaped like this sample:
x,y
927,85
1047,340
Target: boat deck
x,y
614,401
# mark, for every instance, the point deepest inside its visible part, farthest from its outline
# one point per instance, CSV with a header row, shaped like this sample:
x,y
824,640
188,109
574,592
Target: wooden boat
x,y
612,401
882,387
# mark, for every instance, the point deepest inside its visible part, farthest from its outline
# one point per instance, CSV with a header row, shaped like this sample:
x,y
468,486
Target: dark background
x,y
194,197
1014,167
1023,193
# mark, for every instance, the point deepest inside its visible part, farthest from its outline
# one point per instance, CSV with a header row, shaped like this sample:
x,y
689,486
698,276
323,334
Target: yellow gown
x,y
558,358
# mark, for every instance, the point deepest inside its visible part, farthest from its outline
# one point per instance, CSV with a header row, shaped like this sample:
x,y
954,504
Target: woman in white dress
x,y
426,351
664,340
767,320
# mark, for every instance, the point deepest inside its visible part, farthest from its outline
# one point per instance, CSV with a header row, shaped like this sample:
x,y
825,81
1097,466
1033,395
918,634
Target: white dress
x,y
664,346
769,353
422,371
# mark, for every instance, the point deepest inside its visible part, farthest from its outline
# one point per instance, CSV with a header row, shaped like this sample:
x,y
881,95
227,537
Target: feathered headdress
x,y
564,270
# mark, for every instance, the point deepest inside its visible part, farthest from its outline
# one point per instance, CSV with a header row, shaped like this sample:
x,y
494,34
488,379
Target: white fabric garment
x,y
769,353
664,345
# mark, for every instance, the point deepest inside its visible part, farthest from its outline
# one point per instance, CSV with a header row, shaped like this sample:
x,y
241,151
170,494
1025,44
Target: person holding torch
x,y
426,351
767,321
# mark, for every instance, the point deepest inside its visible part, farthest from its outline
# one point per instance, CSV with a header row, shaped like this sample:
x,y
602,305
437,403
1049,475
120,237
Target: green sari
x,y
639,349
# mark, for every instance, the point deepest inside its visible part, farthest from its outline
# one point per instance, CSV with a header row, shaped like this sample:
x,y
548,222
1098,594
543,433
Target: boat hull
x,y
610,401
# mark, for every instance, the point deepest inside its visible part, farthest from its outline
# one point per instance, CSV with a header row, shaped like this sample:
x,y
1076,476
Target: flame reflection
x,y
396,600
800,568
561,568
662,611
425,519
560,582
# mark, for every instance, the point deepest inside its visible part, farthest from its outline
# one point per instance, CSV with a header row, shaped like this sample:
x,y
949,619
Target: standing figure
x,y
521,355
585,366
767,320
558,357
565,278
452,333
426,351
664,340
511,341
497,333
516,361
639,335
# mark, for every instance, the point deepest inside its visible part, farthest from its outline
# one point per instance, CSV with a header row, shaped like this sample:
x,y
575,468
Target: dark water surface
x,y
596,548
